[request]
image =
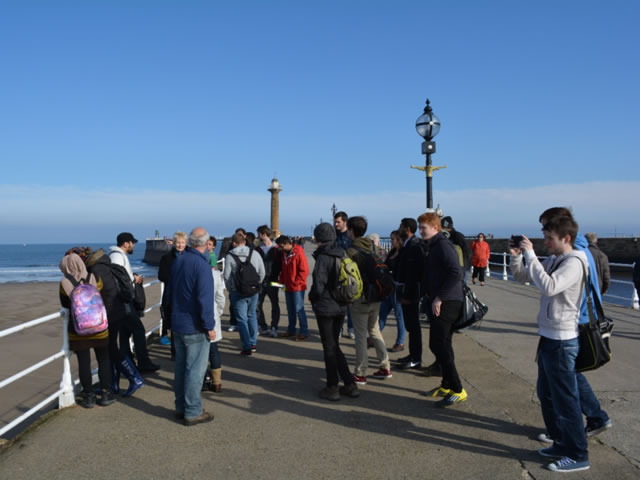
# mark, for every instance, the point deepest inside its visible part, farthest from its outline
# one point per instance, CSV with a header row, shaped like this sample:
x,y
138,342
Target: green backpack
x,y
348,282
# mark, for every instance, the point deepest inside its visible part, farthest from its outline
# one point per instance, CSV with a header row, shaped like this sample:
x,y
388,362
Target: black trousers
x,y
272,293
335,363
104,368
411,313
478,271
440,343
131,325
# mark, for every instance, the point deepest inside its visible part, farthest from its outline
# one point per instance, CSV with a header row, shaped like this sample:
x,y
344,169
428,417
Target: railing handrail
x,y
64,394
635,301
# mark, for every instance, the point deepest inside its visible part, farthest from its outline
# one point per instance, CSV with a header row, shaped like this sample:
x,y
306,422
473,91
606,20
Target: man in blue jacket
x,y
192,321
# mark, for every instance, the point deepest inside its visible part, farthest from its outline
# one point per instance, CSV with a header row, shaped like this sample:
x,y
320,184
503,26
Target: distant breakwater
x,y
619,250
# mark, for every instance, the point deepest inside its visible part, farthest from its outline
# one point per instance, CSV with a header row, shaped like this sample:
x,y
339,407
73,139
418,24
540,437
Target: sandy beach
x,y
22,302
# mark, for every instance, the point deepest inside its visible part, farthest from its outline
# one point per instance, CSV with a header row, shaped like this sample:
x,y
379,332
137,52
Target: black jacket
x,y
457,238
101,269
272,264
410,270
323,278
442,273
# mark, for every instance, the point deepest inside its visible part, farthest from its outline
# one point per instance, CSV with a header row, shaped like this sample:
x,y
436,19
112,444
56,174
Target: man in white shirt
x,y
131,324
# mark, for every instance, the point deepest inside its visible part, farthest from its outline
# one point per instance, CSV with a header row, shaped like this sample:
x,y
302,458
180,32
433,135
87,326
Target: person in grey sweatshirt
x,y
559,278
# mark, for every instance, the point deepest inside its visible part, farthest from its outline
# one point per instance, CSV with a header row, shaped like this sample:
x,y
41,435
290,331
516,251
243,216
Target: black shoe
x,y
148,368
432,370
402,360
88,400
107,398
410,365
350,390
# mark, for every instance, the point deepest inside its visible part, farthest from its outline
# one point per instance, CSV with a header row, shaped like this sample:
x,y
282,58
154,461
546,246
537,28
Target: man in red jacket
x,y
293,275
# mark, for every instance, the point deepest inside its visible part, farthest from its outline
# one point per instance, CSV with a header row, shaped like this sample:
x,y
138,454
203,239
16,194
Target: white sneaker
x,y
352,334
543,437
232,328
274,332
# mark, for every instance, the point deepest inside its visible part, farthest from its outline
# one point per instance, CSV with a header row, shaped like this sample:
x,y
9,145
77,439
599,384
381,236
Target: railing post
x,y
67,398
634,300
487,272
504,266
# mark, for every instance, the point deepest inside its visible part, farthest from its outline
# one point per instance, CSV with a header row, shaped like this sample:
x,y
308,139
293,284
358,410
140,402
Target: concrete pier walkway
x,y
270,423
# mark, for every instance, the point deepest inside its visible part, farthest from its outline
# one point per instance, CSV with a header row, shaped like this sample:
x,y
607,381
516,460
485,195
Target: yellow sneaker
x,y
453,398
438,392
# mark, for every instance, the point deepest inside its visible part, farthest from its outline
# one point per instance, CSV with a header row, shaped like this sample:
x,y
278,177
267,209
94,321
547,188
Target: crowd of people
x,y
428,262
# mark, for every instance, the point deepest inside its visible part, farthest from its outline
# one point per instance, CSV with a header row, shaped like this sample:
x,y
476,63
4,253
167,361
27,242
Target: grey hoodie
x,y
230,266
561,290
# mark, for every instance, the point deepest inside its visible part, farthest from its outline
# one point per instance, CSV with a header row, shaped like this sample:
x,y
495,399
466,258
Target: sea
x,y
39,262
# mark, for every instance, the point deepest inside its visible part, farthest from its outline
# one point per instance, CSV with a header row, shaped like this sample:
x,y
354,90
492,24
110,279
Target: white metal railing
x,y
64,394
635,303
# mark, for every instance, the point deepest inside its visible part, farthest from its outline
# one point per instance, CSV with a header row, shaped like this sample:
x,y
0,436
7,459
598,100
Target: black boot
x,y
115,378
107,398
129,370
88,400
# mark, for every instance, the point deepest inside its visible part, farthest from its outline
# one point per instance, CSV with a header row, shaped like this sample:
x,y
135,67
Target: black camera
x,y
516,239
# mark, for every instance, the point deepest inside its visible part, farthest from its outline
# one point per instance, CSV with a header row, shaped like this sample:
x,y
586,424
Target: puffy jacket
x,y
480,253
323,276
295,269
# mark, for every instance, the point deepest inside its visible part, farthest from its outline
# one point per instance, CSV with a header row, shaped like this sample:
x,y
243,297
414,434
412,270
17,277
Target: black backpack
x,y
247,278
124,286
379,283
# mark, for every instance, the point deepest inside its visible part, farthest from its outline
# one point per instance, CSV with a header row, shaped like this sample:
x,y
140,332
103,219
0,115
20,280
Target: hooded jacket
x,y
323,276
559,279
295,269
593,284
480,253
230,267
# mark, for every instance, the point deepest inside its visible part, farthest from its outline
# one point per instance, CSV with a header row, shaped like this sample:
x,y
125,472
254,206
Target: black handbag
x,y
473,310
593,337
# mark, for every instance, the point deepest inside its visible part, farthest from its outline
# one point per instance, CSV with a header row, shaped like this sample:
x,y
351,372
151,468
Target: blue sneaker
x,y
164,340
566,464
551,452
592,429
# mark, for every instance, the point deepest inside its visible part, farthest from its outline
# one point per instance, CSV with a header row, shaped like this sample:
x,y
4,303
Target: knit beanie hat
x,y
324,233
446,222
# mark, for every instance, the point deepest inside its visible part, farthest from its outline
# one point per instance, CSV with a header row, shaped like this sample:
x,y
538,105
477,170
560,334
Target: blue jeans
x,y
192,353
244,309
591,409
295,309
559,396
385,307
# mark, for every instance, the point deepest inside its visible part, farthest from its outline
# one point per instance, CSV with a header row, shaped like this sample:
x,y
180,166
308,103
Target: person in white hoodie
x,y
213,381
560,280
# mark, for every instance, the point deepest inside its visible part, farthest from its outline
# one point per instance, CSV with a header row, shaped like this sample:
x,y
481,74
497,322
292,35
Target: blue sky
x,y
166,115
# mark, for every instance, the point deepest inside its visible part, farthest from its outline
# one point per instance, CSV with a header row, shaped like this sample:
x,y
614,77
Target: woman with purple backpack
x,y
75,273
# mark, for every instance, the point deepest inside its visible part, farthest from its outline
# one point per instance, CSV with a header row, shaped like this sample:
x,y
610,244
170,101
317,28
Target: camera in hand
x,y
516,239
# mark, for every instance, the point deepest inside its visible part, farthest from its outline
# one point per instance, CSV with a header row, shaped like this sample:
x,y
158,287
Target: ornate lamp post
x,y
275,188
428,126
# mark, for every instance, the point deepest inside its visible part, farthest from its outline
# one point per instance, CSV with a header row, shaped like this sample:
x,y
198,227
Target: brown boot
x,y
216,380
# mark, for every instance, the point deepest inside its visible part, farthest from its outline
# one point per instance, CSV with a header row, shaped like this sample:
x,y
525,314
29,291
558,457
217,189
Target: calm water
x,y
39,262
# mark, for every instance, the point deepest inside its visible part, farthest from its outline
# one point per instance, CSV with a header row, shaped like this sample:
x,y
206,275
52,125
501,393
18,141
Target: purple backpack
x,y
87,310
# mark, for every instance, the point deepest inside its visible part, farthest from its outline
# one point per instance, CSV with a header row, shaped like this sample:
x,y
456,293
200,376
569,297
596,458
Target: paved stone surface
x,y
271,424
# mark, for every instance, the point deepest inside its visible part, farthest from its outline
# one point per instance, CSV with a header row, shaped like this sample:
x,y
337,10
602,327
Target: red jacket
x,y
480,255
295,269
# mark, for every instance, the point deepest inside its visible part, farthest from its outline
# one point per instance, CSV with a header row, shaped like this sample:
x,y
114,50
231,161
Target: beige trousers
x,y
365,324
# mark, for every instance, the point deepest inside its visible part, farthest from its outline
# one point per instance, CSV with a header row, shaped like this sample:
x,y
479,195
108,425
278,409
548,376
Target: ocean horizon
x,y
38,262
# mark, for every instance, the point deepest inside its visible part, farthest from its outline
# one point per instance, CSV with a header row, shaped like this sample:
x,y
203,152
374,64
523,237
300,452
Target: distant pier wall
x,y
619,250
